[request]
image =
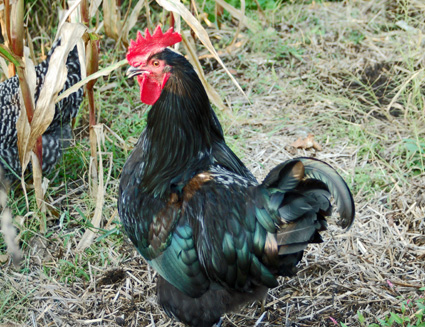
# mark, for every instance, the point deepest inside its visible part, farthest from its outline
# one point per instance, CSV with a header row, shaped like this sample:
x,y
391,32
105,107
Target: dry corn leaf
x,y
37,177
74,14
218,13
3,24
201,33
67,14
94,6
176,23
93,161
22,125
92,67
84,13
193,58
131,21
112,19
92,60
307,143
4,68
235,37
89,235
103,72
239,15
82,58
54,80
148,16
17,27
73,7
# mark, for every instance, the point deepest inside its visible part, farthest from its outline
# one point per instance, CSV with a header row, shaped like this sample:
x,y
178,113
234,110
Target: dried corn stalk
x,y
177,7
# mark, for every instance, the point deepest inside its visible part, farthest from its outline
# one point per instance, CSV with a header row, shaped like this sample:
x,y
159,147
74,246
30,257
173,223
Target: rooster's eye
x,y
155,63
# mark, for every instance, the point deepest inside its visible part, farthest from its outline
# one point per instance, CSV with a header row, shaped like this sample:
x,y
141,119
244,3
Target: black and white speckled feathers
x,y
57,135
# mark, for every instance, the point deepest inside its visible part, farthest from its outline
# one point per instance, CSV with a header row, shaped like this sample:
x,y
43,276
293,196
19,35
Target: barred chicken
x,y
57,135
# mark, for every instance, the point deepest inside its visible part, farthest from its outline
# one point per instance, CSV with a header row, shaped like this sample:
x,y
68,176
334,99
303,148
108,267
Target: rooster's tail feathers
x,y
319,170
299,193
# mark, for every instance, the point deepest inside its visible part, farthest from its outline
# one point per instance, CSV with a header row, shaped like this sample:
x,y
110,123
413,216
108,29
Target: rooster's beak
x,y
134,71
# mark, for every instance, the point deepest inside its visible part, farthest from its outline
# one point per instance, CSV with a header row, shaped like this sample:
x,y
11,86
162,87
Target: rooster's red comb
x,y
141,49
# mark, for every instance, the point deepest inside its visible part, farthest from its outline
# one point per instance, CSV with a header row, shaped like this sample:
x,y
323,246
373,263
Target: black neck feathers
x,y
181,130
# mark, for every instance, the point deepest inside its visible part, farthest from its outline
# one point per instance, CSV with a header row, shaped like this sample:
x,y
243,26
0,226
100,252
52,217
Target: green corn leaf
x,y
8,55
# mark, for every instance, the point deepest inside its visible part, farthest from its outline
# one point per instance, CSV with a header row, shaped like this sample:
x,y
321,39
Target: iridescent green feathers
x,y
301,192
319,170
308,174
197,214
241,236
179,264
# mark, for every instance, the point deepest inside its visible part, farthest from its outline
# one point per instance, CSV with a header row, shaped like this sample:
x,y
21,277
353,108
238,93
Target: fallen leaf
x,y
4,258
307,143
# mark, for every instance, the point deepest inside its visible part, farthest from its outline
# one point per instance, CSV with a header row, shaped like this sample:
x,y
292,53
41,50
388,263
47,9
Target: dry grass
x,y
344,71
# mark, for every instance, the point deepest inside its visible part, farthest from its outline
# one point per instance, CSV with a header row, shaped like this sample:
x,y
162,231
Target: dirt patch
x,y
112,277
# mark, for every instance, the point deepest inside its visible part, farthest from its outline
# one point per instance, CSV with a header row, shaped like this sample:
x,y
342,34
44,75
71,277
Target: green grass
x,y
250,7
410,313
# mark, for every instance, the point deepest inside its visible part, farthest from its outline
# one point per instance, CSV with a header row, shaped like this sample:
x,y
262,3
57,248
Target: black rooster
x,y
217,238
57,135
